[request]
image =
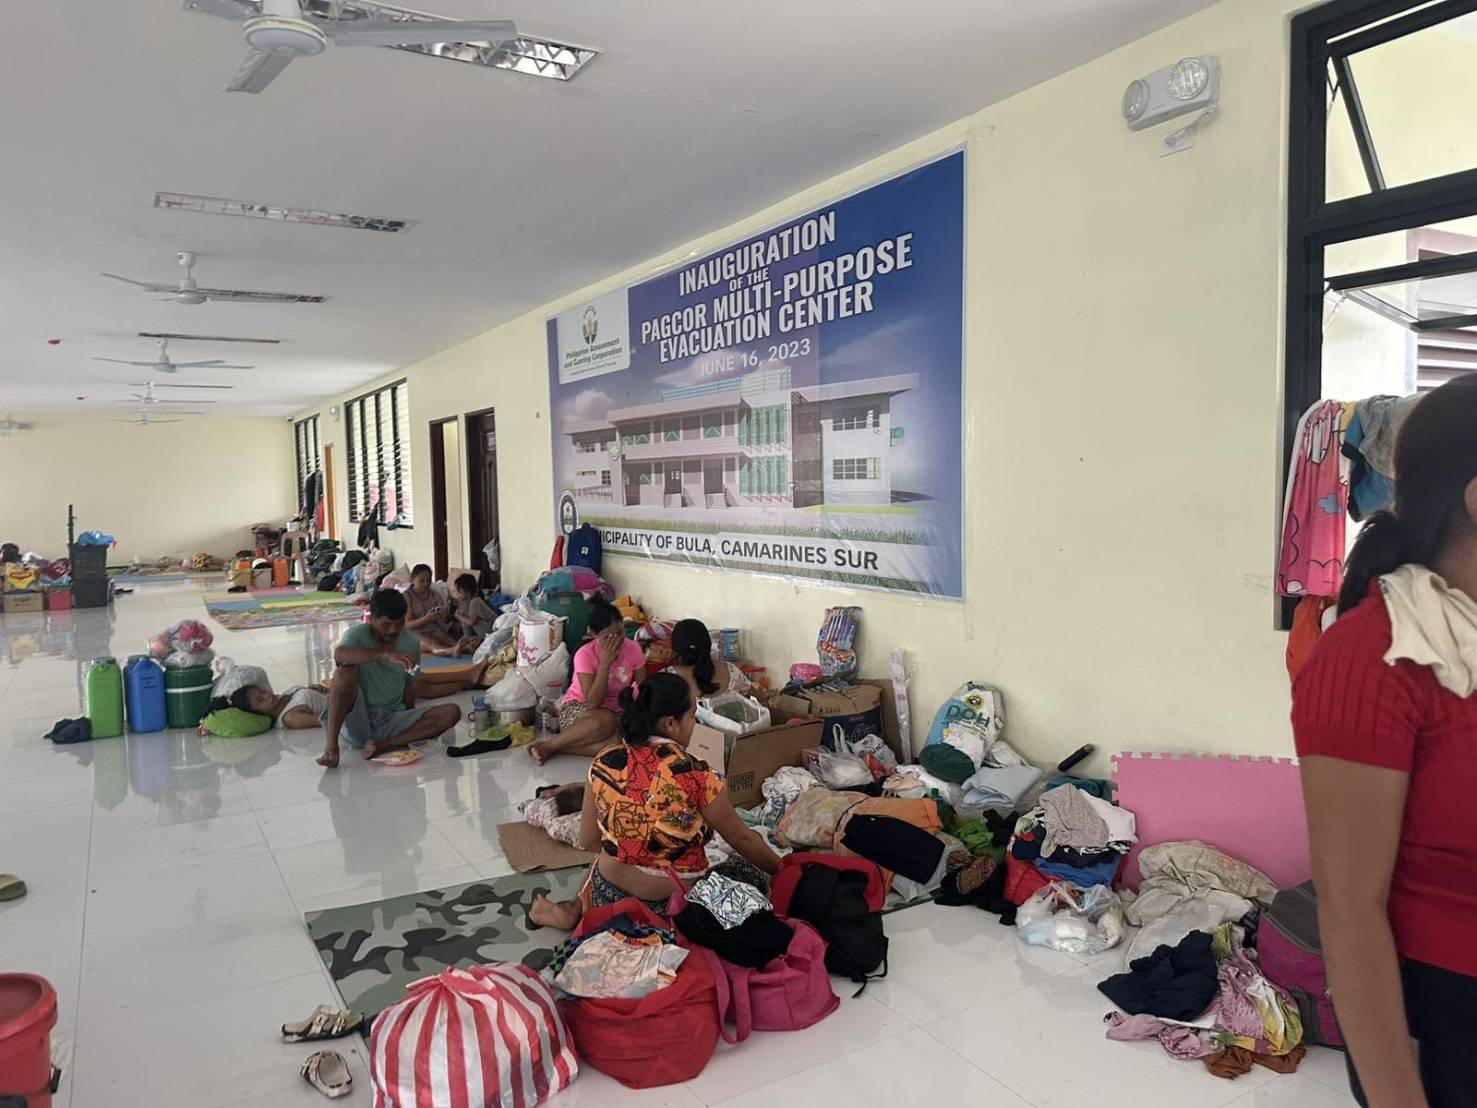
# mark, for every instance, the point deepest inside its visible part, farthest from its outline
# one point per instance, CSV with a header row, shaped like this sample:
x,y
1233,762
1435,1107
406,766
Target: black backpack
x,y
834,902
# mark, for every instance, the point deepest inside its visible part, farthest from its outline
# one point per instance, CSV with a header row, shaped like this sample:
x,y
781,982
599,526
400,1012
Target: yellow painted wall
x,y
1123,355
171,489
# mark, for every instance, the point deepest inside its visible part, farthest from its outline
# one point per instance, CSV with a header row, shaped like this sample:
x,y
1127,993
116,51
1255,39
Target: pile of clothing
x,y
1205,998
1190,886
622,959
1074,836
734,920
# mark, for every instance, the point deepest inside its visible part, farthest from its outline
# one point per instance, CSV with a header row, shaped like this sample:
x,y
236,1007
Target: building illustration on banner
x,y
751,409
757,441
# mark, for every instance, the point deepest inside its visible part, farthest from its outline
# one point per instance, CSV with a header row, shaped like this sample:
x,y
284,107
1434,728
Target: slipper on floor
x,y
327,1072
11,887
324,1023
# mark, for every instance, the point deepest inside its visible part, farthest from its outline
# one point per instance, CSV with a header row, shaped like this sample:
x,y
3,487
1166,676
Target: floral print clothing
x,y
649,800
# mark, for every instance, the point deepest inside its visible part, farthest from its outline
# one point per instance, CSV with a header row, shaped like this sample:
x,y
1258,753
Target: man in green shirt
x,y
372,700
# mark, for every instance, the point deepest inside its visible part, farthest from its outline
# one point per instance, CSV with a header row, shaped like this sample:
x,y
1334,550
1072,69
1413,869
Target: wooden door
x,y
482,507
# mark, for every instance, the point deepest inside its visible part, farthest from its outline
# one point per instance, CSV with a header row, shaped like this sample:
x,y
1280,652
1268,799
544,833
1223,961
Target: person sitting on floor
x,y
604,668
651,806
692,659
429,618
473,615
371,701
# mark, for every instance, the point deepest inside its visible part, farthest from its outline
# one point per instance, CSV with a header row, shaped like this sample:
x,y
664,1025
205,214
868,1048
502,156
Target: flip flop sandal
x,y
327,1072
11,887
324,1023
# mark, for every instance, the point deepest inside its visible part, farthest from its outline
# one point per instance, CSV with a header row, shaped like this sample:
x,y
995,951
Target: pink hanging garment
x,y
1313,542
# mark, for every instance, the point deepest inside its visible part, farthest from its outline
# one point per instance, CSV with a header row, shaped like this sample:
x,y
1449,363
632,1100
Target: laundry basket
x,y
27,1015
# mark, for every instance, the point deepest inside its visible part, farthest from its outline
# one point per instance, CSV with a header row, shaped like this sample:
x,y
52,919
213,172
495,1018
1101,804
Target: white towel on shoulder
x,y
1433,625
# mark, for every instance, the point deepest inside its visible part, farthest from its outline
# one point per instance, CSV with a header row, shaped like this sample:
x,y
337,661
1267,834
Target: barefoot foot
x,y
540,753
563,914
329,757
371,751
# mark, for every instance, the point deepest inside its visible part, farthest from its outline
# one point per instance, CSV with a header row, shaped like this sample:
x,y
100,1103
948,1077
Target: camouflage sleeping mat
x,y
374,950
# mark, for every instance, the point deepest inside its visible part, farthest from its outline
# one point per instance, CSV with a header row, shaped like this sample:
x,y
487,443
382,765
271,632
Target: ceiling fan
x,y
148,397
189,292
164,365
143,419
277,31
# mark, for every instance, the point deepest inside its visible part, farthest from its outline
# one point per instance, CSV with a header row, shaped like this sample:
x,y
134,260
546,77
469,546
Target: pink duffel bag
x,y
482,1037
789,994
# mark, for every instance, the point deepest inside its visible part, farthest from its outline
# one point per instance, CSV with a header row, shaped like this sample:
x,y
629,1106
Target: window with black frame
x,y
377,437
309,462
1382,257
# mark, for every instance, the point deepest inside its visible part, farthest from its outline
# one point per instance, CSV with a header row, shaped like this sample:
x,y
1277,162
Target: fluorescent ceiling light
x,y
200,338
217,205
527,54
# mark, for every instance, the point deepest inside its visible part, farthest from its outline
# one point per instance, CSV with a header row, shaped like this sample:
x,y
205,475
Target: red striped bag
x,y
482,1037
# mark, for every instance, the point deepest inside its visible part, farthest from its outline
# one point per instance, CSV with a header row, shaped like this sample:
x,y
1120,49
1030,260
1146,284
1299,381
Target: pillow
x,y
233,723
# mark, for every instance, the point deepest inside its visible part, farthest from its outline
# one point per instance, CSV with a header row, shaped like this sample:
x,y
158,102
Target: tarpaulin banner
x,y
789,405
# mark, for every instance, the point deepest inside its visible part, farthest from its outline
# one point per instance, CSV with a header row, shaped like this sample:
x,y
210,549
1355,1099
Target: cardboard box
x,y
24,602
757,755
792,705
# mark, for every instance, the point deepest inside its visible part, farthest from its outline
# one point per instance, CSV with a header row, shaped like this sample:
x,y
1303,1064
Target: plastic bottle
x,y
143,682
105,698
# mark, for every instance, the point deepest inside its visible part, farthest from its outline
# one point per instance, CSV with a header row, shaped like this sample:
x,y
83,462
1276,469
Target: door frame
x,y
331,509
440,525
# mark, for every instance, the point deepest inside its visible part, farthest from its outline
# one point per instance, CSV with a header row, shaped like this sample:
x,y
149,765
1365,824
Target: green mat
x,y
374,950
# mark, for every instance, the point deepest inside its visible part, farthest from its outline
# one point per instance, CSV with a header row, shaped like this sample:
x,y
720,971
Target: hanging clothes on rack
x,y
1316,509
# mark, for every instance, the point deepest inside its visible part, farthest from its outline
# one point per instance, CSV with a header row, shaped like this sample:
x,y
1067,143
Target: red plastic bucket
x,y
27,1015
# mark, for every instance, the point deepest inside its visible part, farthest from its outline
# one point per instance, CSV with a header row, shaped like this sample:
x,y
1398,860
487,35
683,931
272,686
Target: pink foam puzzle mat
x,y
1251,808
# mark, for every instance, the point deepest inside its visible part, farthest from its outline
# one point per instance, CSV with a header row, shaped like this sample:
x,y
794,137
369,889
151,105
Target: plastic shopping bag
x,y
1071,919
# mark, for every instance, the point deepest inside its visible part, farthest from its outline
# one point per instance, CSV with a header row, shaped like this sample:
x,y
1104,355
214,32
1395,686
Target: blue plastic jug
x,y
143,681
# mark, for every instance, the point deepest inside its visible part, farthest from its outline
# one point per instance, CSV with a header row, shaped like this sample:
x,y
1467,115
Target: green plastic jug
x,y
105,698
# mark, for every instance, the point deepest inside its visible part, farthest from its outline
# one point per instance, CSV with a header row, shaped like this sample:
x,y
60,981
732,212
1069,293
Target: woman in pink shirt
x,y
607,665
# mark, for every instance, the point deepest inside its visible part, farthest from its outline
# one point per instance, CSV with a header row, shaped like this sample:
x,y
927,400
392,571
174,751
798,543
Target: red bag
x,y
790,866
661,1039
485,1036
1022,879
789,994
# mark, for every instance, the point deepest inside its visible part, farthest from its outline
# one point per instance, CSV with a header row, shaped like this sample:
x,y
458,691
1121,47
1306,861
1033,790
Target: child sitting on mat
x,y
429,618
472,614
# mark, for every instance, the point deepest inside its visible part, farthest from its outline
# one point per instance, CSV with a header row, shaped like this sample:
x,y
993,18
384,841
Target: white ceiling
x,y
695,115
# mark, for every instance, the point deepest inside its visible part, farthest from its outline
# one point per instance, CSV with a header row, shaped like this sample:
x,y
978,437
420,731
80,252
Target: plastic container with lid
x,y
27,1015
105,698
187,695
143,684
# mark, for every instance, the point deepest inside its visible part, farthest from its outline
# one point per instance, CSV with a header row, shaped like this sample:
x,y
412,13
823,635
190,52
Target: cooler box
x,y
58,600
187,695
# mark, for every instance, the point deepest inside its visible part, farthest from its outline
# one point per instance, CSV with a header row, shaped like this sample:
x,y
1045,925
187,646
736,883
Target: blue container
x,y
143,682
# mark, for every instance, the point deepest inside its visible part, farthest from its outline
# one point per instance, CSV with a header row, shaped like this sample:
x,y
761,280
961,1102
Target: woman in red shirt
x,y
1386,726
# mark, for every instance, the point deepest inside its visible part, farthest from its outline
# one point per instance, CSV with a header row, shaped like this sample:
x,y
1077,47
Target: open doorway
x,y
448,535
483,534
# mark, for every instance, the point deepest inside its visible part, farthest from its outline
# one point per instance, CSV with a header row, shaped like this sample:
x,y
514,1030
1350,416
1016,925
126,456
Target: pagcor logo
x,y
590,325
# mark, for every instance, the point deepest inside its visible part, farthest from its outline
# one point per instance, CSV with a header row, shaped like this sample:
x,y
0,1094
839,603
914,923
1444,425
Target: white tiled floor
x,y
169,875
